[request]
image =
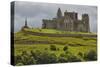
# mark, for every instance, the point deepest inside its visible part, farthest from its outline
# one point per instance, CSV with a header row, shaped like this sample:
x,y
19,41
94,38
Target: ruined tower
x,y
25,26
85,20
26,23
59,13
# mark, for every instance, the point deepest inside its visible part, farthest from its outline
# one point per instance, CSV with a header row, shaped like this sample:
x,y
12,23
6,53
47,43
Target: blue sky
x,y
35,12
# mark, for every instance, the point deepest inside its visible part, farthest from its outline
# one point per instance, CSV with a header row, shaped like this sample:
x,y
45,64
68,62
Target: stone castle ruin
x,y
68,22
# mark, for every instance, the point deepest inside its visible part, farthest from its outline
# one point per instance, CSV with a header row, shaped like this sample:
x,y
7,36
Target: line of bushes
x,y
45,57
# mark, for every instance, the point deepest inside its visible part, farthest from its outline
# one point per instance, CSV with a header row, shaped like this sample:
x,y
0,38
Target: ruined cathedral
x,y
68,22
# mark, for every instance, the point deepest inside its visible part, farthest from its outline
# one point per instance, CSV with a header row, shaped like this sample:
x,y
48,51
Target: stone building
x,y
68,22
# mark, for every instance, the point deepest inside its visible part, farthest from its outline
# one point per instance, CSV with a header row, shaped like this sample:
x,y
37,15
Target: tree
x,y
62,58
53,47
65,48
45,58
91,55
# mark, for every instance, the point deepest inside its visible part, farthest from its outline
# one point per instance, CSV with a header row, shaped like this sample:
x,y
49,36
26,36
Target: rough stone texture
x,y
68,22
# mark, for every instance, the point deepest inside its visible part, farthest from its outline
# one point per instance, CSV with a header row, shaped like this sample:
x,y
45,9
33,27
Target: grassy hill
x,y
54,31
27,42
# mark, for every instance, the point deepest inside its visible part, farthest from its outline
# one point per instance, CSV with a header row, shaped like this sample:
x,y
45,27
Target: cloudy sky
x,y
35,12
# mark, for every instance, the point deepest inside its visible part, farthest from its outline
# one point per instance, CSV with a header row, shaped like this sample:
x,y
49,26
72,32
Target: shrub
x,y
73,58
65,48
68,57
46,57
67,52
24,59
18,59
80,54
45,48
58,49
63,55
24,53
35,54
27,59
91,55
53,47
35,57
62,58
31,60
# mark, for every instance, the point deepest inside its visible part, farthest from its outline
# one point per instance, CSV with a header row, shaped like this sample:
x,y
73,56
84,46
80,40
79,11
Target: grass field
x,y
54,31
41,47
25,43
22,37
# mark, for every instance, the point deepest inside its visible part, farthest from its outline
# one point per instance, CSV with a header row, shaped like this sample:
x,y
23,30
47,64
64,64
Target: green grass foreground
x,y
19,48
32,49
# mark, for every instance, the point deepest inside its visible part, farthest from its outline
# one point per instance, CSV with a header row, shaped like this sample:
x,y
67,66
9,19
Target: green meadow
x,y
54,31
56,49
41,47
